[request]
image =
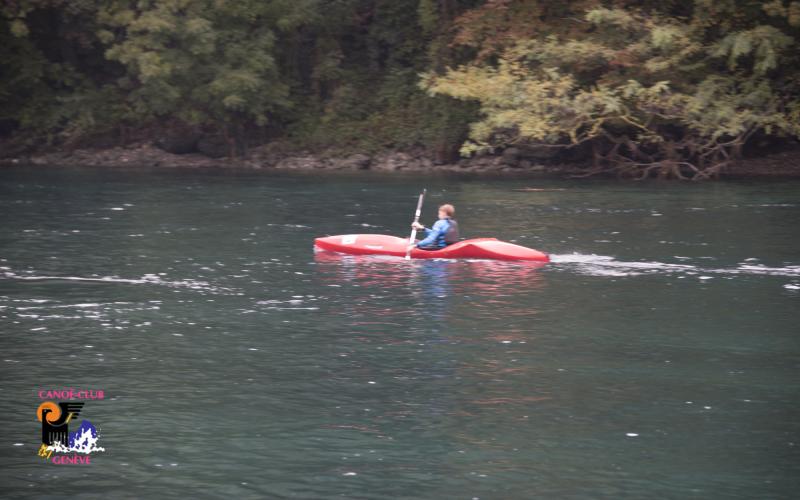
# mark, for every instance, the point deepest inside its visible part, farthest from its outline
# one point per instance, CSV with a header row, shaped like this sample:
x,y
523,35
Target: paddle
x,y
413,237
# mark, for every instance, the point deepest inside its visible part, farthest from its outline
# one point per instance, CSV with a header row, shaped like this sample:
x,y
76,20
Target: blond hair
x,y
448,209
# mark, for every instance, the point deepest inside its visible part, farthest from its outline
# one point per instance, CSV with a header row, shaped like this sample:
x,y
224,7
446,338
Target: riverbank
x,y
781,164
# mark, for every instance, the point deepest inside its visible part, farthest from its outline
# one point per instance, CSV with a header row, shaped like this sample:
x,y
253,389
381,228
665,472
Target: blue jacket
x,y
434,237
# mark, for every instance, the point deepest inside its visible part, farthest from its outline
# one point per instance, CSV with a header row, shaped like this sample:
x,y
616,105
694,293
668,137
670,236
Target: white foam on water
x,y
604,265
772,271
147,279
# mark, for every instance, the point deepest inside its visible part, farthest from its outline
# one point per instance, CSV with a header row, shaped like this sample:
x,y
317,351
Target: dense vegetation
x,y
668,87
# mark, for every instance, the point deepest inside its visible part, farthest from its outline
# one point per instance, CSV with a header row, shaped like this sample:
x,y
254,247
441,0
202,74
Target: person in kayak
x,y
444,232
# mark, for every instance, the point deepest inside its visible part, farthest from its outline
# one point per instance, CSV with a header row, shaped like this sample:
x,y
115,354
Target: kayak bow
x,y
381,244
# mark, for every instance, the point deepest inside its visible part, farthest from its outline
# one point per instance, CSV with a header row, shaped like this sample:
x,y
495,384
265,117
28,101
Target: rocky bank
x,y
147,155
783,164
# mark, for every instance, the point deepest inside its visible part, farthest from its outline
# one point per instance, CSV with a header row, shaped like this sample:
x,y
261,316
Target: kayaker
x,y
444,232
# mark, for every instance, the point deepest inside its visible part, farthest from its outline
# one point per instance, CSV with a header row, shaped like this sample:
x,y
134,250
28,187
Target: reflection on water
x,y
433,283
655,357
433,275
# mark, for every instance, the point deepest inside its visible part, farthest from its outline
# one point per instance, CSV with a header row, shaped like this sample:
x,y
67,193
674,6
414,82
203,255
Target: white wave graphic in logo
x,y
84,440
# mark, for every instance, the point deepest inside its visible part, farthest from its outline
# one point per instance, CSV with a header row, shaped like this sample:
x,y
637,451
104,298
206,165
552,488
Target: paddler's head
x,y
447,211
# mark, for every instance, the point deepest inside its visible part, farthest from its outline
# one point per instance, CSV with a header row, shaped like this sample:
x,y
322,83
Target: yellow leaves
x,y
612,17
234,102
180,5
774,8
469,148
152,66
152,22
555,52
105,36
726,107
115,16
793,14
18,28
199,26
540,104
764,42
428,15
523,102
241,80
202,36
644,74
665,37
630,89
793,118
660,87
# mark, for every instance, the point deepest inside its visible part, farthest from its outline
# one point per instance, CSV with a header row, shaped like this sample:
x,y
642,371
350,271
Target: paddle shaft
x,y
413,237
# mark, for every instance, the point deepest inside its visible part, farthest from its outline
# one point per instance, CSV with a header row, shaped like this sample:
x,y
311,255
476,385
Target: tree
x,y
652,87
652,93
54,83
202,62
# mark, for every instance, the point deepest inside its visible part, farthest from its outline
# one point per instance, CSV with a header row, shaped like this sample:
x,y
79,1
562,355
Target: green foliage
x,y
764,45
645,89
428,15
644,82
200,61
45,89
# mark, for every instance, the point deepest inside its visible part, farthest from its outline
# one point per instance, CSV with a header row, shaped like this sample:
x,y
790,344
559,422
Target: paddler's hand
x,y
411,247
417,226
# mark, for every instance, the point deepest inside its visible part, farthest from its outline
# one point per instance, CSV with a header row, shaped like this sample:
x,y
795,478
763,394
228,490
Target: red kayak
x,y
381,244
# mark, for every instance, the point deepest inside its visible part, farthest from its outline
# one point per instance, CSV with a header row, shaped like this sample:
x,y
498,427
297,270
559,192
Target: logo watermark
x,y
59,409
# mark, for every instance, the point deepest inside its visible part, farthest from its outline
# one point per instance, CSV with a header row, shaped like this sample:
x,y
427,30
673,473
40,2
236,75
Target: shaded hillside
x,y
634,88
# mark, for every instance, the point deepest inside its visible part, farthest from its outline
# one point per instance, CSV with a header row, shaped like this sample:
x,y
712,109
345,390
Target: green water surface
x,y
657,356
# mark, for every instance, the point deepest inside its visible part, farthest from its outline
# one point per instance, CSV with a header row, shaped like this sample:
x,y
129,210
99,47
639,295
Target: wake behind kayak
x,y
381,244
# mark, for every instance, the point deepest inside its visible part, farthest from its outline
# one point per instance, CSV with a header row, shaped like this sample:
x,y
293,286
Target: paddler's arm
x,y
431,234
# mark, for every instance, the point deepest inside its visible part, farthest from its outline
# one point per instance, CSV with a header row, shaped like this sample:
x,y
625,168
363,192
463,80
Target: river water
x,y
655,357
